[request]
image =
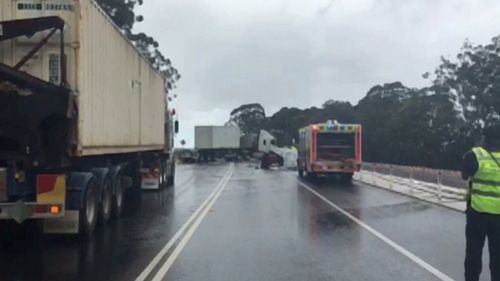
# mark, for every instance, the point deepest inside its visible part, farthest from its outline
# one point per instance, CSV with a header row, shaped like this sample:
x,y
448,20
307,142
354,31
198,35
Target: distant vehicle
x,y
81,120
271,154
329,148
213,142
227,142
264,145
186,155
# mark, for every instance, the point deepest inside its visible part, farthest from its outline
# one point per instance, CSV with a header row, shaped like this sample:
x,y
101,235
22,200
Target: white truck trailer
x,y
83,115
217,141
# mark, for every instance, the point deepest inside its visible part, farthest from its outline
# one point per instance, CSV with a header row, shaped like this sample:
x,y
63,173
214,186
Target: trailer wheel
x,y
88,214
171,178
311,175
119,189
164,176
346,178
106,203
299,169
133,171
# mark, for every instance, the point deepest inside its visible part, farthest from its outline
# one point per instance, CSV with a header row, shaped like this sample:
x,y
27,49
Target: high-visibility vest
x,y
485,191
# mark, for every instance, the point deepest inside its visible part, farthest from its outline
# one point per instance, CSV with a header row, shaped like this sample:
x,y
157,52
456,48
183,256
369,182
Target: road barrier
x,y
441,187
434,176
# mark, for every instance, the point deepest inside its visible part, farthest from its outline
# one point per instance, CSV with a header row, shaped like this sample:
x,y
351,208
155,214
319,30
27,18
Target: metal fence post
x,y
440,188
411,180
391,186
374,174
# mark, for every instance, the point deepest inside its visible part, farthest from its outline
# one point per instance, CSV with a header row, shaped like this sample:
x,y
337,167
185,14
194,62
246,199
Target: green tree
x,y
374,112
250,118
472,82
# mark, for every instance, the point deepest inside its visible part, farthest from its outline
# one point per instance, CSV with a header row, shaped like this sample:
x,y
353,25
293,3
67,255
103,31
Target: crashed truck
x,y
83,116
264,146
228,142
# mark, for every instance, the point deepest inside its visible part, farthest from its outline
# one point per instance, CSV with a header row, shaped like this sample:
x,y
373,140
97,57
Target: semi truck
x,y
83,116
329,148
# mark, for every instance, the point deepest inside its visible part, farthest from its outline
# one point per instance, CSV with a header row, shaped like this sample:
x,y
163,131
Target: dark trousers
x,y
479,227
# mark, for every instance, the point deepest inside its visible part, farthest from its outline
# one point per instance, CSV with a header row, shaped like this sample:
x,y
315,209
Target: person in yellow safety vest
x,y
481,167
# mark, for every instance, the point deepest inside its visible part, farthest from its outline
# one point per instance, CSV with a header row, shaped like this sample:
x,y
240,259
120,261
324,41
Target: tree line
x,y
431,126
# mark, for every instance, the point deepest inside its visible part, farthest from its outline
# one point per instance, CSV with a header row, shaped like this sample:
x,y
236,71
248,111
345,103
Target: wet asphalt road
x,y
263,226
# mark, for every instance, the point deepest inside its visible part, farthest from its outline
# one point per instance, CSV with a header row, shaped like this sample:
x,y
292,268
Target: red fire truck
x,y
329,148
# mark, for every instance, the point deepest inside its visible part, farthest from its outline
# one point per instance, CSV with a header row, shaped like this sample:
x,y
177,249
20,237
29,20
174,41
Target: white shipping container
x,y
120,96
203,137
217,137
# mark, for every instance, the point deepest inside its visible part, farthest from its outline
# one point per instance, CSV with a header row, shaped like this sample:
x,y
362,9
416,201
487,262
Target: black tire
x,y
311,175
299,169
106,204
264,165
117,207
161,176
171,178
164,178
89,213
133,170
346,178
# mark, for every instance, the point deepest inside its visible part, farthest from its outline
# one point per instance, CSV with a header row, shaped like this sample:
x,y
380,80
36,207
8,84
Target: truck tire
x,y
171,178
264,165
133,171
346,178
105,188
311,175
88,214
299,169
161,175
106,205
119,189
118,199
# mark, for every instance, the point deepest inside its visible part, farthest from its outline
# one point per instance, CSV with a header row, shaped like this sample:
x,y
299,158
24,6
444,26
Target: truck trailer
x,y
83,116
329,148
217,142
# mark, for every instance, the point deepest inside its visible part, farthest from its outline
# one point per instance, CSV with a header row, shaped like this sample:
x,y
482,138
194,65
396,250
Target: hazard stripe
x,y
485,193
487,182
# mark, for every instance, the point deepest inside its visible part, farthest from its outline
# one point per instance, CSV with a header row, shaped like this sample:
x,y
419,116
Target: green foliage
x,y
473,83
249,117
285,124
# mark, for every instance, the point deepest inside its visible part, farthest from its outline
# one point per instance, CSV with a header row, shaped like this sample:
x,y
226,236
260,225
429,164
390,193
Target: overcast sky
x,y
304,52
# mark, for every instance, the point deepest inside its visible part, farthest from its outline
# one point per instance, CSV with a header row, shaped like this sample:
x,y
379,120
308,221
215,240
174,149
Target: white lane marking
x,y
145,273
160,274
434,271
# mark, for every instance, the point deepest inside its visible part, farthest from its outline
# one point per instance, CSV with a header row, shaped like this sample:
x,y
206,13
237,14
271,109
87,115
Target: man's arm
x,y
470,165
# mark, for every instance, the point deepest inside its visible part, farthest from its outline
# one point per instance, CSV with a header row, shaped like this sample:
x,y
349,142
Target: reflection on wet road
x,y
261,225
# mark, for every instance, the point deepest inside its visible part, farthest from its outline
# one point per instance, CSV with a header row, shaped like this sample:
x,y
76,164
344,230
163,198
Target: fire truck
x,y
329,148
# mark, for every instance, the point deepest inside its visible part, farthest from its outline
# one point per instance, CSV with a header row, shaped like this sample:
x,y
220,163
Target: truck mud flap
x,y
69,224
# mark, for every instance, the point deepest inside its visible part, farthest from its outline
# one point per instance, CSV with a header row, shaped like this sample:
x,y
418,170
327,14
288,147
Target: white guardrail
x,y
444,177
434,185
